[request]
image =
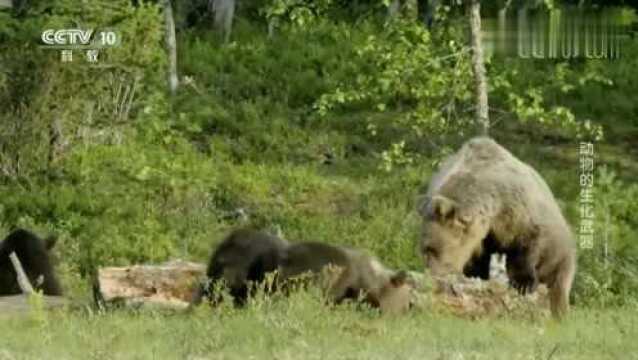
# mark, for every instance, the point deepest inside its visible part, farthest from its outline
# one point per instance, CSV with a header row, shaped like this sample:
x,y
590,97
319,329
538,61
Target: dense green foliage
x,y
324,131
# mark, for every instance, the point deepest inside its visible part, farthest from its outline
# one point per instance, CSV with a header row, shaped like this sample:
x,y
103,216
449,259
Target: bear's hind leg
x,y
560,287
341,288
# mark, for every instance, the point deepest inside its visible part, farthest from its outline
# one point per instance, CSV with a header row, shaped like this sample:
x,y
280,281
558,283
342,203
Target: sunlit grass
x,y
303,328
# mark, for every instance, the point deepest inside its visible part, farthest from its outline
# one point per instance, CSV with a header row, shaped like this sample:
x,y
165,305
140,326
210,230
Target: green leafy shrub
x,y
607,273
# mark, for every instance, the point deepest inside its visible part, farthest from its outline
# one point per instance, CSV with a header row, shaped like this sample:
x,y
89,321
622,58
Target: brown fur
x,y
359,275
484,192
243,259
395,296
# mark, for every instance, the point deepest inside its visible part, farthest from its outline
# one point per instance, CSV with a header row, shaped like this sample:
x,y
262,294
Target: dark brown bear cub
x,y
33,254
241,261
485,193
357,275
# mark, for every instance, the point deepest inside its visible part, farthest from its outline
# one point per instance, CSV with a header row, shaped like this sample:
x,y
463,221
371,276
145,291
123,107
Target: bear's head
x,y
231,264
395,296
451,234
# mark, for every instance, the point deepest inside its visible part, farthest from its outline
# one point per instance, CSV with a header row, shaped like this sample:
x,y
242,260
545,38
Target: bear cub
x,y
351,274
241,261
33,253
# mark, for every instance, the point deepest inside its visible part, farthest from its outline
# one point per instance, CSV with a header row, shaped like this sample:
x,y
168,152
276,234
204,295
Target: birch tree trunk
x,y
171,46
394,8
22,279
224,11
502,27
478,67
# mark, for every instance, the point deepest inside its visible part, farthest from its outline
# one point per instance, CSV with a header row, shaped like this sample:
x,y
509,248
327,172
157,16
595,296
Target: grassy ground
x,y
302,328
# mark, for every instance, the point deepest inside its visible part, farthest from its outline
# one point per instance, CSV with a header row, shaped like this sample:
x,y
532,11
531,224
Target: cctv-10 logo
x,y
79,37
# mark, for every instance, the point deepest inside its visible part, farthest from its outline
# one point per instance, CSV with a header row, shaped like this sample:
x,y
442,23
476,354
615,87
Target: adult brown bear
x,y
484,193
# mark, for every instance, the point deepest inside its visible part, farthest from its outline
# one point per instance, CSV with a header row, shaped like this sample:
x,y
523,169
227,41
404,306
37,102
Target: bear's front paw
x,y
524,283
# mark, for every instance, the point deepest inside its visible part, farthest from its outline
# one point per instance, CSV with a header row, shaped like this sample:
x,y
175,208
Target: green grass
x,y
302,328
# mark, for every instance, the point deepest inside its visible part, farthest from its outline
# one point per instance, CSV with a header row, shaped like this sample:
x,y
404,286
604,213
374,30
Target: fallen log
x,y
475,298
169,285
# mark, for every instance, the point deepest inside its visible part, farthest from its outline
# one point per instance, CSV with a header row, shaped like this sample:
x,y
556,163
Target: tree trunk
x,y
23,280
224,11
394,8
478,67
171,47
426,10
168,285
502,27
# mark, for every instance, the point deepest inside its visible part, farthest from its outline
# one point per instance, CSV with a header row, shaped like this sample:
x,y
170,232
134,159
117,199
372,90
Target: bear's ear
x,y
443,207
399,278
463,219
